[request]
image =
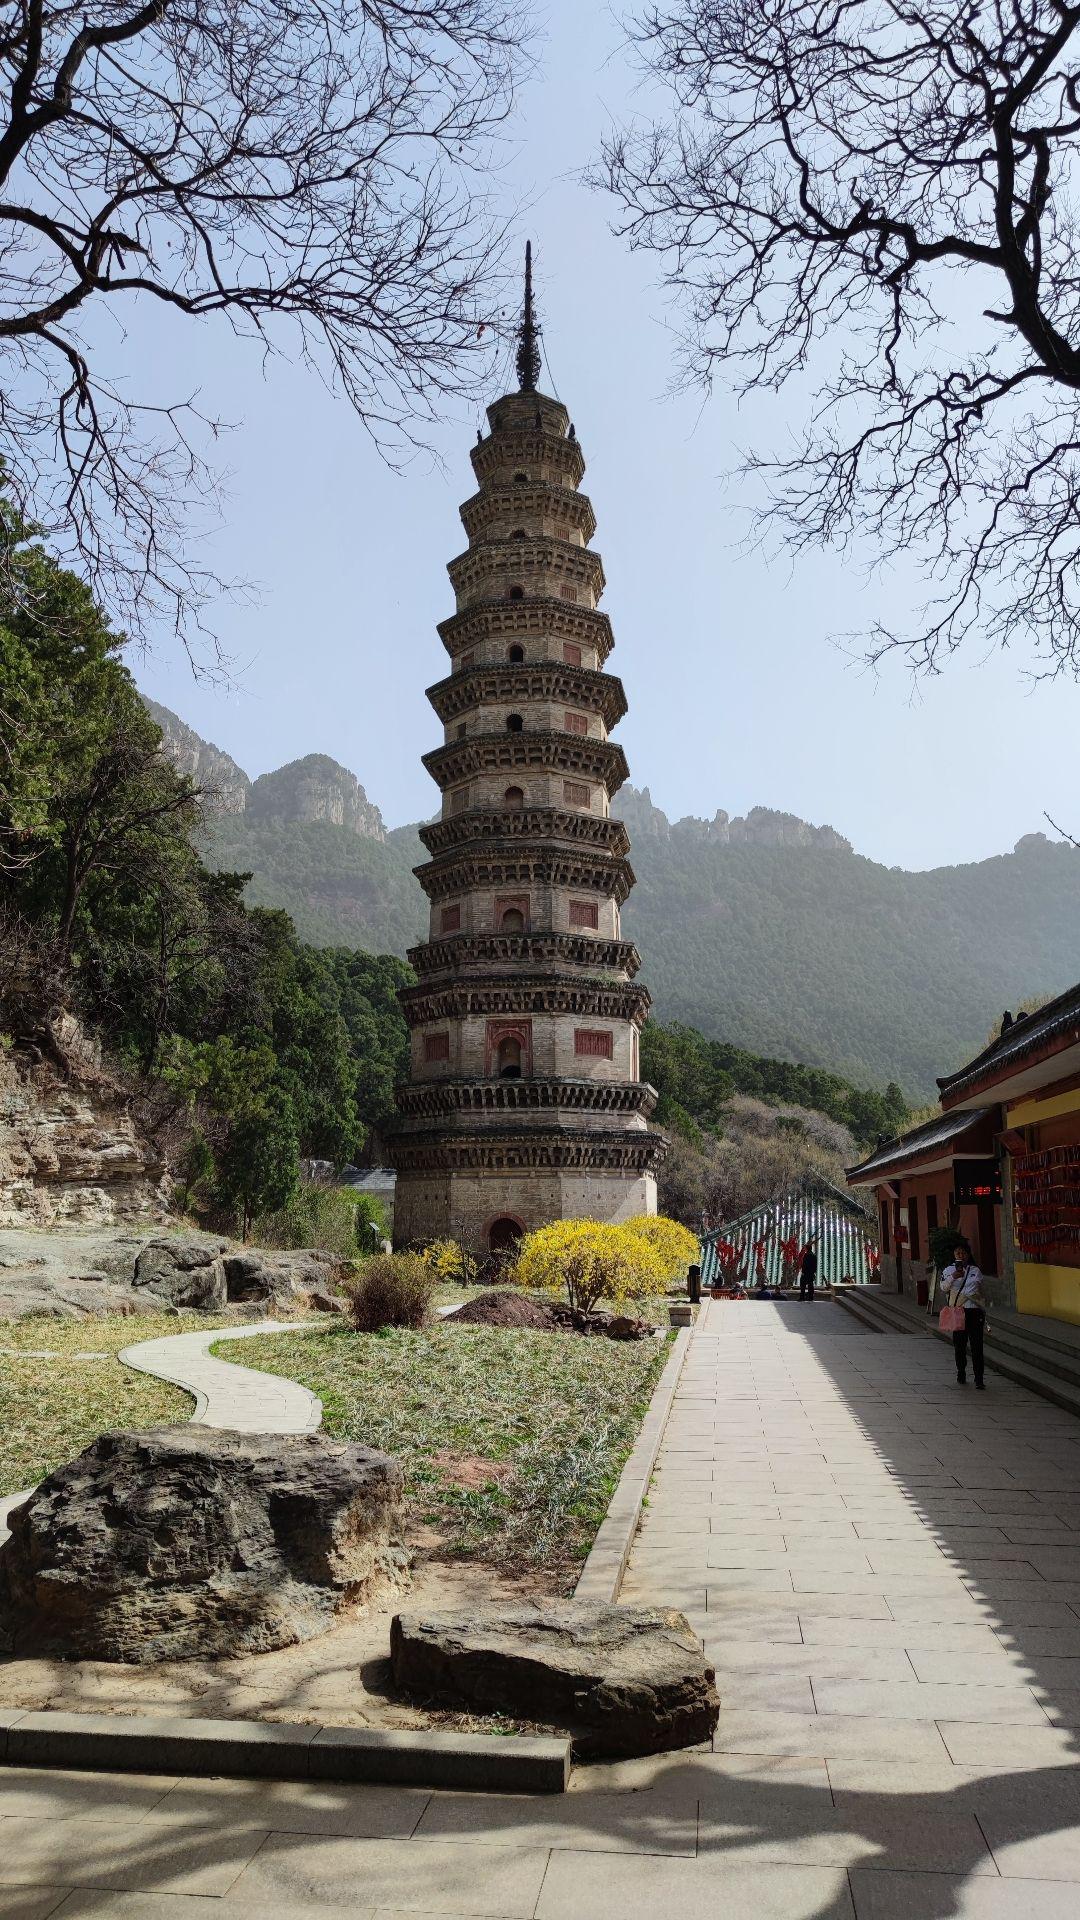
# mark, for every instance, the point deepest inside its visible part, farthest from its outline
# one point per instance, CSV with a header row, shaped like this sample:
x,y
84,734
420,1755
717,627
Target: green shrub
x,y
332,1218
390,1290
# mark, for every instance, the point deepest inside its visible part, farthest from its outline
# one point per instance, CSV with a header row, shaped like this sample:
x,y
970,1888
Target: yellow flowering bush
x,y
450,1262
591,1260
674,1244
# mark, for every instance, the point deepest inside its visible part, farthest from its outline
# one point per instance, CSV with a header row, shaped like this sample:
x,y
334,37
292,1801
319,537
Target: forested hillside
x,y
765,933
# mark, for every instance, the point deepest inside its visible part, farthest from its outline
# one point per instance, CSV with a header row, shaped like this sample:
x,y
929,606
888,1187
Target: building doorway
x,y
504,1234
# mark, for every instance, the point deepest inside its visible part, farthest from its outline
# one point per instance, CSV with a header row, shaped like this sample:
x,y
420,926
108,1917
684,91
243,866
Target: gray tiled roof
x,y
1026,1034
921,1141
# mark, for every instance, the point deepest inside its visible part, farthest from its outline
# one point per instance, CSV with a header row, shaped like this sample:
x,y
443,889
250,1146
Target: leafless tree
x,y
312,170
881,197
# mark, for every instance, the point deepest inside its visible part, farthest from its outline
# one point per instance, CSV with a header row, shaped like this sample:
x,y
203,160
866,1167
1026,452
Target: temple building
x,y
525,1102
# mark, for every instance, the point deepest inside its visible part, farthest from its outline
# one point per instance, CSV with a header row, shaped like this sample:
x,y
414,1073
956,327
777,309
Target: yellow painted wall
x,y
1053,1291
1025,1113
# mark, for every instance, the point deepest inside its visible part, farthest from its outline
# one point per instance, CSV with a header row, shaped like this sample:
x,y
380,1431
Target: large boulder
x,y
187,1542
621,1680
184,1270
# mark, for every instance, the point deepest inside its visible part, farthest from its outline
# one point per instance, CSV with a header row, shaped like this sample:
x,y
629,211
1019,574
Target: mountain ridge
x,y
762,930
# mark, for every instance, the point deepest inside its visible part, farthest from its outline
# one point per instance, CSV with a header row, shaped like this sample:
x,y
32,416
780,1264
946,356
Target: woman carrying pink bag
x,y
965,1315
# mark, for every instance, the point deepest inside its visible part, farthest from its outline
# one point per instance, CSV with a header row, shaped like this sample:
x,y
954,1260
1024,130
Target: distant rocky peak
x,y
316,788
224,784
761,827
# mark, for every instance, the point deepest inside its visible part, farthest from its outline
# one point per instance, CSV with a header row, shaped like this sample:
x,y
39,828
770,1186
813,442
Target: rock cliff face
x,y
316,788
70,1152
761,827
225,784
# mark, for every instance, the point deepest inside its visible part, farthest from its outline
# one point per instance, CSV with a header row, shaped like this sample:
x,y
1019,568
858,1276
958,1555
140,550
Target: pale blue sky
x,y
737,696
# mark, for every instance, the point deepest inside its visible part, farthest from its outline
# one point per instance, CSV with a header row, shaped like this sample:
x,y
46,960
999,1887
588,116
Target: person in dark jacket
x,y
807,1272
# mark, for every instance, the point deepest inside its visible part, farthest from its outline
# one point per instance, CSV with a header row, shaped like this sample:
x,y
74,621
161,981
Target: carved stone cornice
x,y
506,1149
506,681
492,564
539,947
465,868
526,449
435,1099
523,993
542,616
499,502
526,823
570,753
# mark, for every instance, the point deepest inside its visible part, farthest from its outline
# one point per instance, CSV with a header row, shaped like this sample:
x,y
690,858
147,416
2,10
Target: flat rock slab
x,y
185,1543
620,1680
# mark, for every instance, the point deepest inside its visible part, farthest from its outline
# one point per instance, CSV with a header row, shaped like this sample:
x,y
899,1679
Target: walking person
x,y
964,1287
807,1272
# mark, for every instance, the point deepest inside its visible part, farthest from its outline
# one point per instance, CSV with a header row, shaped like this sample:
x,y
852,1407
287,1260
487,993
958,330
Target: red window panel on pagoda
x,y
576,722
571,655
584,913
576,793
436,1046
568,593
450,920
592,1041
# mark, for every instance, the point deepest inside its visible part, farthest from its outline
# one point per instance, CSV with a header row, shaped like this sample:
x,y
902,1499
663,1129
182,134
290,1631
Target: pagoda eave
x,y
494,948
502,994
509,1148
526,823
571,753
535,616
503,682
516,866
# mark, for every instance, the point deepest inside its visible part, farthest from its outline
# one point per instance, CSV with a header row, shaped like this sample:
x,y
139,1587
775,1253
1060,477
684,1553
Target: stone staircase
x,y
1043,1355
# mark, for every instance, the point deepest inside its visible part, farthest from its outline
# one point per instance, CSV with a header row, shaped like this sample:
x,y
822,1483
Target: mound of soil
x,y
504,1308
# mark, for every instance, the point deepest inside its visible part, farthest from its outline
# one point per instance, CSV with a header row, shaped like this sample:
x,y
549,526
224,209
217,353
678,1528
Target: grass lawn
x,y
512,1441
51,1408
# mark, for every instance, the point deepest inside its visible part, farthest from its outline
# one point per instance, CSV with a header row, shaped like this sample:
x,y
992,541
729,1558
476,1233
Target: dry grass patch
x,y
512,1441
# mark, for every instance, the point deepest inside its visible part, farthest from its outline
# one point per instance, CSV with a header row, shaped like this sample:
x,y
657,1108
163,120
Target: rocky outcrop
x,y
761,827
621,1680
183,1543
70,1151
224,784
77,1275
316,789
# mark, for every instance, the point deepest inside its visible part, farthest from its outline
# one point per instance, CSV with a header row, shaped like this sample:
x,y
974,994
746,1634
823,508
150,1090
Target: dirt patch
x,y
470,1470
503,1308
342,1677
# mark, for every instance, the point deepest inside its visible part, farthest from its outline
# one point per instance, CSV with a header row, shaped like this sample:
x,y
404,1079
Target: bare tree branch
x,y
881,196
313,171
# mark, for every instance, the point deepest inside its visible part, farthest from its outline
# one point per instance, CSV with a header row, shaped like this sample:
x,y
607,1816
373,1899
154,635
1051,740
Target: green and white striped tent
x,y
841,1235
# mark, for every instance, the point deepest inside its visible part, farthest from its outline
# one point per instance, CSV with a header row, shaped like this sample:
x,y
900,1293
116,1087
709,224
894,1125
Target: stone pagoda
x,y
525,1102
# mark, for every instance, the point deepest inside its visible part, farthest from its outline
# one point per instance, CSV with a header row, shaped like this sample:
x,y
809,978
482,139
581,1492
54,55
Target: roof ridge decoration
x,y
528,334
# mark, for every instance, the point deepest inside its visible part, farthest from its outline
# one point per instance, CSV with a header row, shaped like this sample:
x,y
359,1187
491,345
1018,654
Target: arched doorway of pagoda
x,y
514,797
504,1234
513,920
509,1057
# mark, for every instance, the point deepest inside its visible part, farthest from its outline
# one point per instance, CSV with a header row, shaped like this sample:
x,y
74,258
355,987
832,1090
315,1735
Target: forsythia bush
x,y
450,1262
592,1260
674,1244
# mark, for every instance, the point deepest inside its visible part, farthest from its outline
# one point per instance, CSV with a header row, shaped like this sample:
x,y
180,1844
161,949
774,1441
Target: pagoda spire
x,y
528,334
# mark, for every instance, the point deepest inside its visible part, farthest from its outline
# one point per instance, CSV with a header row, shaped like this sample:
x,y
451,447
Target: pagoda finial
x,y
528,351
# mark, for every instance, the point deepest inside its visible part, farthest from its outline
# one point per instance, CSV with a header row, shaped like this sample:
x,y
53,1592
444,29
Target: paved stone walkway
x,y
886,1569
225,1395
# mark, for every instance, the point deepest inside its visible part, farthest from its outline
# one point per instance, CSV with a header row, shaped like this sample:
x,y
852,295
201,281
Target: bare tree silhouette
x,y
312,170
879,197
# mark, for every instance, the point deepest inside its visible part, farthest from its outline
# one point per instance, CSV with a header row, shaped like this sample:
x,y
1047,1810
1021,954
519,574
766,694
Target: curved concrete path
x,y
236,1398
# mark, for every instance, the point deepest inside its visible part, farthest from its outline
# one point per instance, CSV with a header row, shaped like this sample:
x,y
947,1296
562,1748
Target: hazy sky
x,y
738,697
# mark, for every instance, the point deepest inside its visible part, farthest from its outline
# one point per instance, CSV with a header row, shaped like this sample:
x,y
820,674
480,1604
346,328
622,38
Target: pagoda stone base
x,y
469,1205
